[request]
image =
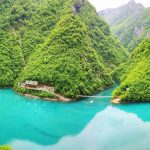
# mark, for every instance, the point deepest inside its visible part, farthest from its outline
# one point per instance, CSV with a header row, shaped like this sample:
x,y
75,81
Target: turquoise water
x,y
90,124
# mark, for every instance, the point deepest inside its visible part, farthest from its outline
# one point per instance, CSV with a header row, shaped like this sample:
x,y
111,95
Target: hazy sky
x,y
103,4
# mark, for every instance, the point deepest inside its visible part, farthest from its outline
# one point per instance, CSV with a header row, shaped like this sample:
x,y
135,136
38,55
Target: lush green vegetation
x,y
52,42
130,22
72,59
42,94
5,148
134,75
11,58
24,25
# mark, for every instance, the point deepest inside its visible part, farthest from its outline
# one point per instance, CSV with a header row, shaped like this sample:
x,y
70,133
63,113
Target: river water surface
x,y
90,124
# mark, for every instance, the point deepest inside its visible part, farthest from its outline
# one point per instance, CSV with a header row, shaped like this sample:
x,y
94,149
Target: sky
x,y
103,4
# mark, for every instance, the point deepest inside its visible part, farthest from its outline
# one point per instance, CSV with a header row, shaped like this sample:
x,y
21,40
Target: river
x,y
90,124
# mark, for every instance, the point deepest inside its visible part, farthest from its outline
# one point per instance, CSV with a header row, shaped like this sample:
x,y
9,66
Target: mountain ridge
x,y
129,22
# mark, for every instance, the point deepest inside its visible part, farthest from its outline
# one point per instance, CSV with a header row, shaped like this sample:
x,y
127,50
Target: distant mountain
x,y
130,22
134,75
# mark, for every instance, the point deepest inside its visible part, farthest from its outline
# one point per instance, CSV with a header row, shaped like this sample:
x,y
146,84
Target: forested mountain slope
x,y
23,26
11,58
134,75
130,22
61,43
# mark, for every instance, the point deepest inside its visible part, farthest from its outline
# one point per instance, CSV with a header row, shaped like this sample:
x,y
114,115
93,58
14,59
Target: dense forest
x,y
130,23
134,75
59,43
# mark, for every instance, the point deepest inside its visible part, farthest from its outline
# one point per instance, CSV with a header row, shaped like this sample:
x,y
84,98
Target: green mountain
x,y
130,22
134,75
60,43
11,58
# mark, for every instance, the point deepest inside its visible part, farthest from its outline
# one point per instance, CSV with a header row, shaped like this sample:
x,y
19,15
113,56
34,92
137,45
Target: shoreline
x,y
46,98
116,100
48,89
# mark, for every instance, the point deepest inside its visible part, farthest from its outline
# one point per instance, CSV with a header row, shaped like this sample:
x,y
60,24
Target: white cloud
x,y
103,4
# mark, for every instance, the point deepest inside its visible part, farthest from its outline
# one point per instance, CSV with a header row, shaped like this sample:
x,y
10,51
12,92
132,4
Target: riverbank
x,y
44,88
46,98
116,100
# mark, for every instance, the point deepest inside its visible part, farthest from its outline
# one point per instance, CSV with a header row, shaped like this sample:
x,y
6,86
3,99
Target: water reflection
x,y
111,129
142,110
44,122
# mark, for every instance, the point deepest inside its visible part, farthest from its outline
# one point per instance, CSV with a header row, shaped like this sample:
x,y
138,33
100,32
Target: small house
x,y
31,83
